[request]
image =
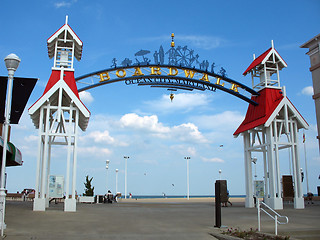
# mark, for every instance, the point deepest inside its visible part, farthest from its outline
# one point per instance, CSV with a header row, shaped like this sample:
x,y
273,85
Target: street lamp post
x,y
254,160
107,167
117,170
125,178
305,159
187,158
12,62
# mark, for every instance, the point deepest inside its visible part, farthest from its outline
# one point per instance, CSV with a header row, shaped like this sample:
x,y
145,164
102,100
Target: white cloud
x,y
31,138
148,123
222,121
215,160
307,91
202,41
99,121
185,132
182,101
21,126
192,151
94,151
28,151
101,137
61,4
64,3
197,41
86,97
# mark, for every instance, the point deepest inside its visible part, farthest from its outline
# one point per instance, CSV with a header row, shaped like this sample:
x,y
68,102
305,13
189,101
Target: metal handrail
x,y
276,214
275,217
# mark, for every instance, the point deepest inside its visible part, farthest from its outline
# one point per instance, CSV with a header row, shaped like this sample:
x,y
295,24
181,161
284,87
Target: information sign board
x,y
259,188
56,186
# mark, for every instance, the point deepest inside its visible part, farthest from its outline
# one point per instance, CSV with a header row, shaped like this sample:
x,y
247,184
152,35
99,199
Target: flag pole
x,y
305,158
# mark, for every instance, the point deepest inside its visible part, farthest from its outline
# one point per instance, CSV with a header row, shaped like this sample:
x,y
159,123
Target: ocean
x,y
179,196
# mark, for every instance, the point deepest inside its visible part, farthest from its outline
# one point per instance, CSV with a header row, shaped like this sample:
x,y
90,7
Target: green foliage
x,y
88,191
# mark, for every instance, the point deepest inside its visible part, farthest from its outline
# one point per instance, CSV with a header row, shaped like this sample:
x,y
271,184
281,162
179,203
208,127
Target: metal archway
x,y
168,76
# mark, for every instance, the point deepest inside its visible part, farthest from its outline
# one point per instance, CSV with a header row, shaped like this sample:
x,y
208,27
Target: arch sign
x,y
183,71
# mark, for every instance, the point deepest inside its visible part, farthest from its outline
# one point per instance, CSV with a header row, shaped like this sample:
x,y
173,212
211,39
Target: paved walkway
x,y
149,220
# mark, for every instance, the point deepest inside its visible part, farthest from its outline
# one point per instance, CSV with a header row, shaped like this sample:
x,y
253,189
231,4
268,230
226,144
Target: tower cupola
x,y
64,45
265,69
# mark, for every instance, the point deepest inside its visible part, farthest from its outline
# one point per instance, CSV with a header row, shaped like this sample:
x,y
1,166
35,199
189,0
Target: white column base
x,y
2,208
275,203
39,204
249,202
4,225
47,202
70,205
298,203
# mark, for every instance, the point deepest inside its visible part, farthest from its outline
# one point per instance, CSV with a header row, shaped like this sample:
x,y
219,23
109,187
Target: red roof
x,y
68,84
268,100
68,78
60,29
55,77
257,61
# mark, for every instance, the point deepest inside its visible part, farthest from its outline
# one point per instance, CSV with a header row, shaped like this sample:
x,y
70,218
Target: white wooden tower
x,y
57,114
270,127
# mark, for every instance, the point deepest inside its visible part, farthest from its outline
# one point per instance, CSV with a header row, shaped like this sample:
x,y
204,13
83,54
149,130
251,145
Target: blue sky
x,y
141,122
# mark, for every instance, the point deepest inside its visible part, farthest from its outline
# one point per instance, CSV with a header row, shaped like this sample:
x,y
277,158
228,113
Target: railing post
x,y
258,207
276,224
269,214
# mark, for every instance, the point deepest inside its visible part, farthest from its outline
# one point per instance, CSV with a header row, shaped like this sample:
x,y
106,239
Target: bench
x,y
14,196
